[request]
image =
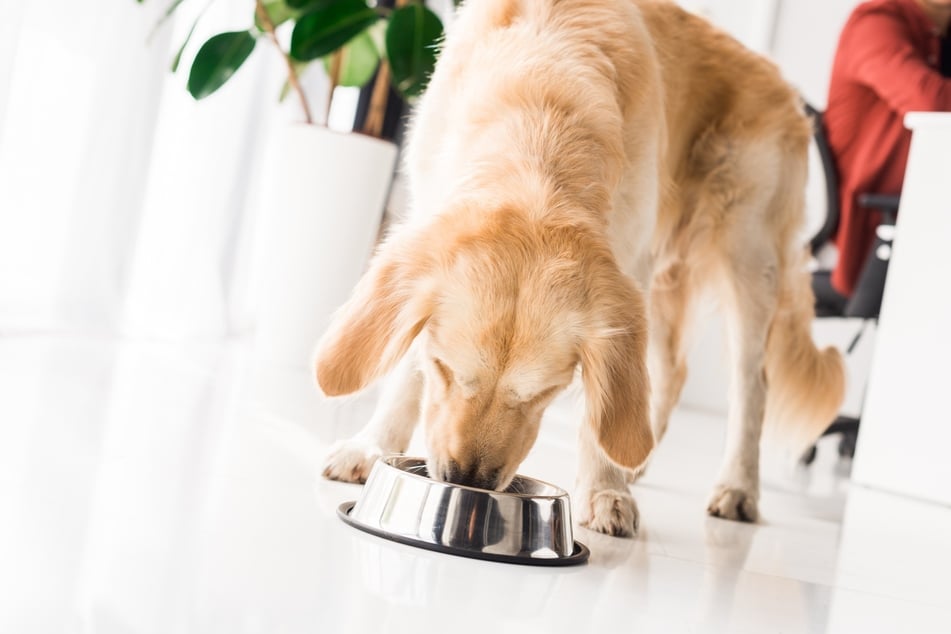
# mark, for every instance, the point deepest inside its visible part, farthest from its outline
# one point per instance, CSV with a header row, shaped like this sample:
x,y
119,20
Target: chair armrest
x,y
881,202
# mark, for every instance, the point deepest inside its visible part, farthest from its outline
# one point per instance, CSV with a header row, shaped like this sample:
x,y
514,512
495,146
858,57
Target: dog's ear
x,y
614,373
376,326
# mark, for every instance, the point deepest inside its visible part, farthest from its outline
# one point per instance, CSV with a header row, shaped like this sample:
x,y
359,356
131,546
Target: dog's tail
x,y
805,385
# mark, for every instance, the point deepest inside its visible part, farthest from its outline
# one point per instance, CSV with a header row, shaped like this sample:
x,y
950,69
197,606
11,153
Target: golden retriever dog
x,y
580,171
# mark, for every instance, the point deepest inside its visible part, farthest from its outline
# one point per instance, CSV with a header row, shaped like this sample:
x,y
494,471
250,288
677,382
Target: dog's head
x,y
503,311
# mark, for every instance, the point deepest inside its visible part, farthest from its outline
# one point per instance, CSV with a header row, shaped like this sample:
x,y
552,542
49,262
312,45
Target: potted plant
x,y
323,191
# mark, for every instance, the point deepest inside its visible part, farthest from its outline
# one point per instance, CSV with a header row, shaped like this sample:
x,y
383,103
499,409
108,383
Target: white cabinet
x,y
905,436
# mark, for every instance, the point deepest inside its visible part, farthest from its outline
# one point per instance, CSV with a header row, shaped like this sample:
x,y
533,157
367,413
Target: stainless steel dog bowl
x,y
528,523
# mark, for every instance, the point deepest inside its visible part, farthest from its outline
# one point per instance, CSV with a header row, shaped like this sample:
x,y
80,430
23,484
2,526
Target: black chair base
x,y
829,302
849,428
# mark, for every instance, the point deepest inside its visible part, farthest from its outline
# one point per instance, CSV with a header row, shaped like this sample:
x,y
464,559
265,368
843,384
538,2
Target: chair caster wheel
x,y
810,456
847,444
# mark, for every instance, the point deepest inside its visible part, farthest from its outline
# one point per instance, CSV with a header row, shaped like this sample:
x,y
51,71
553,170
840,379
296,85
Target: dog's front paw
x,y
733,503
610,512
351,461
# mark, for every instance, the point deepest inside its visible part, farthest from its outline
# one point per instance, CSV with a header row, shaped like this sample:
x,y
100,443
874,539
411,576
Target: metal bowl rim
x,y
579,555
386,460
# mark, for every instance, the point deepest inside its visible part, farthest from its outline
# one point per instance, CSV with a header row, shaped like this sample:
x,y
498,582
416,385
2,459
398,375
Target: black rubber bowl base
x,y
579,556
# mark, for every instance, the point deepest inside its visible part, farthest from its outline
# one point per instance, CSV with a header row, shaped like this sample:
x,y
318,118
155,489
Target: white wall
x,y
804,42
750,21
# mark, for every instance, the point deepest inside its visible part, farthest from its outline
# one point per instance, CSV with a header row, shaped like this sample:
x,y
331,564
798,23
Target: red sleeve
x,y
884,59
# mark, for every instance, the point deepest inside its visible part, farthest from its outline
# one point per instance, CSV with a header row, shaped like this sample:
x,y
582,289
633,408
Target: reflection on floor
x,y
153,488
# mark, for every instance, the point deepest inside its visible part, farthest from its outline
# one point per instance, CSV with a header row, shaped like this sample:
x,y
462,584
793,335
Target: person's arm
x,y
884,59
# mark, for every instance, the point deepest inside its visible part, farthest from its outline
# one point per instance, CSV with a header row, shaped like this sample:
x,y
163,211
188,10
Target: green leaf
x,y
310,5
322,31
358,61
217,60
377,33
279,11
411,40
181,49
177,60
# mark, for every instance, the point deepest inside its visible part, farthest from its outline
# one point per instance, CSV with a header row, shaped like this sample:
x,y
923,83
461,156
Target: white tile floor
x,y
148,488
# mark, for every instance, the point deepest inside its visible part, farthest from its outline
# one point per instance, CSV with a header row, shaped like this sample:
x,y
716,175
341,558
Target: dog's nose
x,y
471,477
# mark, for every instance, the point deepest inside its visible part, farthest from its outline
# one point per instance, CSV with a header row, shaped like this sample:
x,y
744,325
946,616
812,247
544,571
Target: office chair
x,y
866,301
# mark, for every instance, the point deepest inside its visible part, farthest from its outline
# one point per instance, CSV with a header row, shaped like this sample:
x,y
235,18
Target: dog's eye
x,y
542,397
444,371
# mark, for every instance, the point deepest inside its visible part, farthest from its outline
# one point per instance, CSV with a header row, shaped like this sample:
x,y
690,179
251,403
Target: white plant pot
x,y
323,198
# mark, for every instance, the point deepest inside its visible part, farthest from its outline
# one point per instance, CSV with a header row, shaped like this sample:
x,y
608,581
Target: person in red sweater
x,y
893,58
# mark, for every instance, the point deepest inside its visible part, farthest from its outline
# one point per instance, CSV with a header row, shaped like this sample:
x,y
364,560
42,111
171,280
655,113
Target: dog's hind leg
x,y
750,283
389,430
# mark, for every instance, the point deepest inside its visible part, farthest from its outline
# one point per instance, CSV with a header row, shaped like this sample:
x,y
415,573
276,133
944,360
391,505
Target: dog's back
x,y
726,107
554,82
711,81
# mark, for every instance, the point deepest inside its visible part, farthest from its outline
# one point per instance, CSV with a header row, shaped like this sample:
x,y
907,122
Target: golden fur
x,y
569,157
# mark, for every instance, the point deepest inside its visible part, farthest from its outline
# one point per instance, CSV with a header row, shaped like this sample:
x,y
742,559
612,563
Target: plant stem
x,y
373,125
268,25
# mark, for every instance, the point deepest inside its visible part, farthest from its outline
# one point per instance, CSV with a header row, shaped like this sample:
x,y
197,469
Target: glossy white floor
x,y
148,488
